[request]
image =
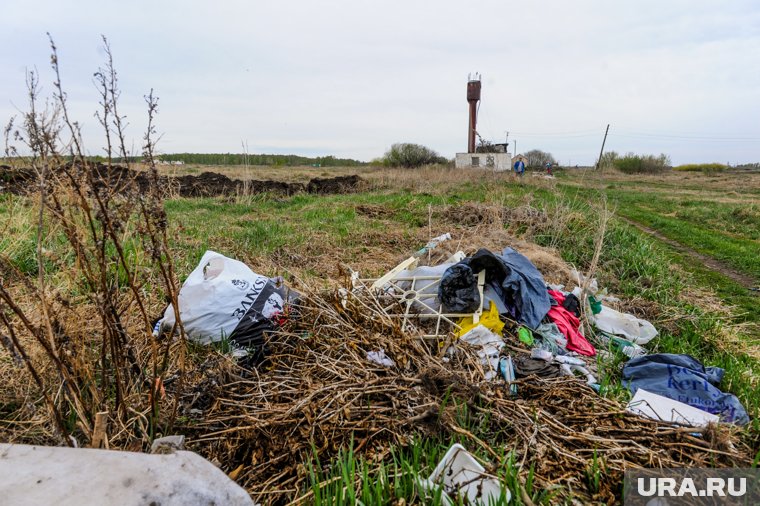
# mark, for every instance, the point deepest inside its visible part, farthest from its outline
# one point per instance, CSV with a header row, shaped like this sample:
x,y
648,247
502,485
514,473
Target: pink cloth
x,y
568,324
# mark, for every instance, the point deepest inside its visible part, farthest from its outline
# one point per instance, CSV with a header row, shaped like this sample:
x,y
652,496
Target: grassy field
x,y
308,238
698,311
716,216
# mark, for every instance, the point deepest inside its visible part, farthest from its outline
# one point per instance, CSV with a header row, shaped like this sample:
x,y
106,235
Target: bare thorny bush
x,y
101,244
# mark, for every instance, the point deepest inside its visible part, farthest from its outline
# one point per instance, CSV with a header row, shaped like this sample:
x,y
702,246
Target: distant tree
x,y
608,160
642,164
409,155
261,159
538,159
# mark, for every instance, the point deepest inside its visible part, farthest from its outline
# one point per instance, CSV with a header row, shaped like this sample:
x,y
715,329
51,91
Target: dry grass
x,y
23,419
440,180
79,328
297,174
728,187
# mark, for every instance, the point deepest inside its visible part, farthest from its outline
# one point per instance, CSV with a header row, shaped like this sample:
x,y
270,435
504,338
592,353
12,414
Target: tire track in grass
x,y
742,279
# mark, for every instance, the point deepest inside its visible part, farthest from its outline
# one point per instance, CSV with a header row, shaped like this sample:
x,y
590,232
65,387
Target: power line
x,y
686,138
645,135
575,133
697,136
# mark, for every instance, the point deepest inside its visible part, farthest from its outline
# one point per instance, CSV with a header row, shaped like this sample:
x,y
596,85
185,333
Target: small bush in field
x,y
702,167
642,164
411,156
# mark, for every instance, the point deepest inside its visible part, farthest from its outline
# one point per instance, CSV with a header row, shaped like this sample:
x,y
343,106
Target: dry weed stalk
x,y
108,239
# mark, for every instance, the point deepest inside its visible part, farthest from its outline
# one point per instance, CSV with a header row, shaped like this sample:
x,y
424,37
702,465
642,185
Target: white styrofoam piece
x,y
379,357
659,407
459,472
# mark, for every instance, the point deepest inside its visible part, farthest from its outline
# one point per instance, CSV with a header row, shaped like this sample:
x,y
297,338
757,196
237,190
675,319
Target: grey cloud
x,y
351,77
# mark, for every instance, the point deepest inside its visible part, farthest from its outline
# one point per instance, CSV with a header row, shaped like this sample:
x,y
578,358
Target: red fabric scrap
x,y
568,324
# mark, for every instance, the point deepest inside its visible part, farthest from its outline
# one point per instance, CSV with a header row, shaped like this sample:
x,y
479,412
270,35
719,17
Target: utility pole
x,y
599,161
515,147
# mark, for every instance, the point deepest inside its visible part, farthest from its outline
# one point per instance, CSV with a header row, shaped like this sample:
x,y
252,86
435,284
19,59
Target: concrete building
x,y
491,161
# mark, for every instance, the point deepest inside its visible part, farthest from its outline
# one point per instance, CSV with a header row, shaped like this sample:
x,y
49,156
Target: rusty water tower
x,y
473,97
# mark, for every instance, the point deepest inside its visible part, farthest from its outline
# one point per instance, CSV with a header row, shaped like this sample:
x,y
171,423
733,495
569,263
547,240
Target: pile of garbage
x,y
383,360
547,322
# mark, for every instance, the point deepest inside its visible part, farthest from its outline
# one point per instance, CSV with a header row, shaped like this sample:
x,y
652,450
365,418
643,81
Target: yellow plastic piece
x,y
490,320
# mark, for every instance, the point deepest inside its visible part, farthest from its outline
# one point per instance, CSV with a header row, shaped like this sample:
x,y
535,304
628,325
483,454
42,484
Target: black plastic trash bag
x,y
510,276
458,289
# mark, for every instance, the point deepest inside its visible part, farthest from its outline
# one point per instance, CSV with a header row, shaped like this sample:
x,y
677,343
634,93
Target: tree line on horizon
x,y
262,159
231,159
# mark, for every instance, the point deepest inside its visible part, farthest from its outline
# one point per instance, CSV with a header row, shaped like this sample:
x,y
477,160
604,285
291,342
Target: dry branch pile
x,y
319,392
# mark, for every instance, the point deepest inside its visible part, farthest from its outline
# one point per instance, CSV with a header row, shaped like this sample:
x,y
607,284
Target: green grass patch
x,y
634,265
729,232
350,479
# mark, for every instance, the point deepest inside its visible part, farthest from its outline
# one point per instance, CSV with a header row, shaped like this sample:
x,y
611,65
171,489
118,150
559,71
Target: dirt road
x,y
746,281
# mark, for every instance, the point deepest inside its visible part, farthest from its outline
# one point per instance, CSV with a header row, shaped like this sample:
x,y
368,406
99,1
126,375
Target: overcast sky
x,y
349,78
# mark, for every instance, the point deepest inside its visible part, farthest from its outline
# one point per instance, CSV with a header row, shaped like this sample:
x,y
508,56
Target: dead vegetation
x,y
730,187
318,393
80,322
432,179
287,174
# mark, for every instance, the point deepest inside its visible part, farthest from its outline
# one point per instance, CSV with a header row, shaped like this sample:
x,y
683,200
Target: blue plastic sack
x,y
683,378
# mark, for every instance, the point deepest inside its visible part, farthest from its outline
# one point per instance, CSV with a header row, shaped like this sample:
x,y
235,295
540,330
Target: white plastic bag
x,y
488,346
223,298
634,329
658,407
